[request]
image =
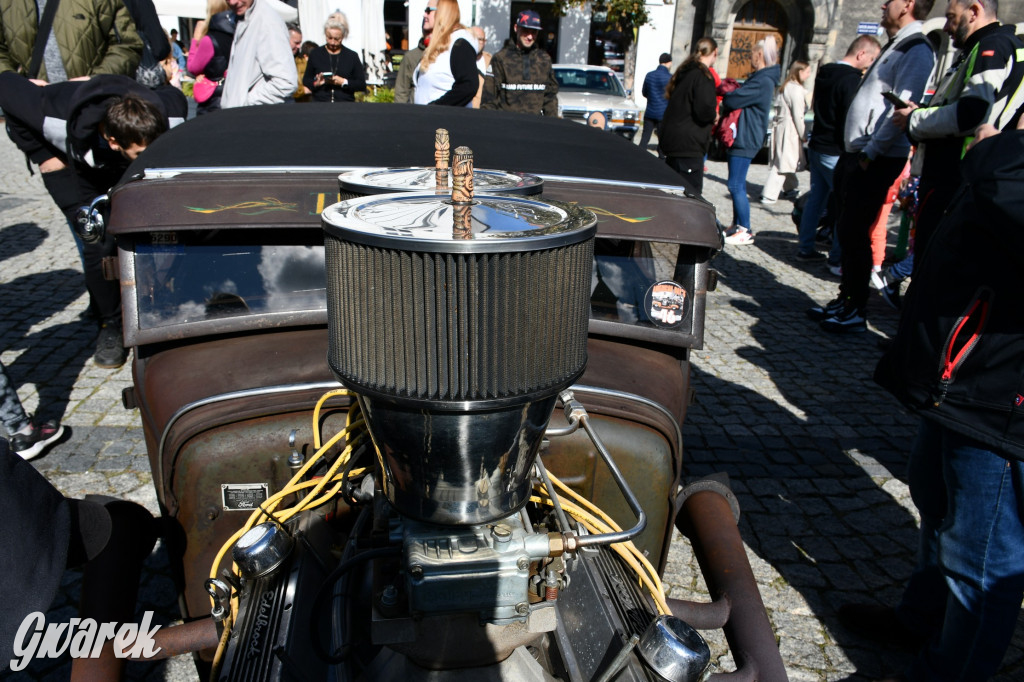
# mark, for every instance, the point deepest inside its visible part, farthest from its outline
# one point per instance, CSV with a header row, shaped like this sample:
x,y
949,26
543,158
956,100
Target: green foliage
x,y
376,93
630,14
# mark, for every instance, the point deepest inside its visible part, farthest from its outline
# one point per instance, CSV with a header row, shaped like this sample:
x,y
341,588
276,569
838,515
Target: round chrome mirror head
x,y
674,650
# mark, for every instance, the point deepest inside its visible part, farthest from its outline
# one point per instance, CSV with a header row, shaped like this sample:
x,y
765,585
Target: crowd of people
x,y
958,357
56,67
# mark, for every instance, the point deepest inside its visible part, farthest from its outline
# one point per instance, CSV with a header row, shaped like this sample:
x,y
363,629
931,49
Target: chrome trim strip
x,y
159,173
638,398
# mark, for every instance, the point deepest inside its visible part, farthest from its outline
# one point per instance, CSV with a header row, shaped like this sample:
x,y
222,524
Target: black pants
x,y
650,125
104,295
935,194
691,171
860,195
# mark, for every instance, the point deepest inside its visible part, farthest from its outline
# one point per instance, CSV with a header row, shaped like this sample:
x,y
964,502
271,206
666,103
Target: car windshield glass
x,y
192,280
587,80
182,283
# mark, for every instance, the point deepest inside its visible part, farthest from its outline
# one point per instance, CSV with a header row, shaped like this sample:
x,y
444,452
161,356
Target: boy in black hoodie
x,y
83,135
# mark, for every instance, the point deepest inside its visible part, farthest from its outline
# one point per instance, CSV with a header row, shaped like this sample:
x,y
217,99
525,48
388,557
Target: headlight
x,y
619,114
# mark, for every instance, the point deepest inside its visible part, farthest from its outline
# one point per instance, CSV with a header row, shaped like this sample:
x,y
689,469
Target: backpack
x,y
155,45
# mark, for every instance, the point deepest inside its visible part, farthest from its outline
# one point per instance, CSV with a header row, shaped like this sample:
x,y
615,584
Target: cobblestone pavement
x,y
814,449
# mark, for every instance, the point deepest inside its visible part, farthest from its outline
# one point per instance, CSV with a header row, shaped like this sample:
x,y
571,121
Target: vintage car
x,y
594,95
433,434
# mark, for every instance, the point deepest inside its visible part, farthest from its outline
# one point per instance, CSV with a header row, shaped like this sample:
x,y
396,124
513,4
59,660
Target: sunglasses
x,y
428,10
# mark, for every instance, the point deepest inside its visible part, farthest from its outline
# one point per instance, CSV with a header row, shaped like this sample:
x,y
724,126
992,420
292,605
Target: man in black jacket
x,y
523,78
83,135
958,360
834,88
974,91
653,90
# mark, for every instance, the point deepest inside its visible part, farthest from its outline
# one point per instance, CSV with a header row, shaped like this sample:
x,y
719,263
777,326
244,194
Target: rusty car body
x,y
230,309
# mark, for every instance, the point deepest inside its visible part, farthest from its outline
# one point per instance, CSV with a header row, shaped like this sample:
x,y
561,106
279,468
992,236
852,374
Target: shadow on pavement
x,y
818,452
52,358
19,238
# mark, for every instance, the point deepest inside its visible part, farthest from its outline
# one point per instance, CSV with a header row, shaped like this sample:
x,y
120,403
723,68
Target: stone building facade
x,y
817,31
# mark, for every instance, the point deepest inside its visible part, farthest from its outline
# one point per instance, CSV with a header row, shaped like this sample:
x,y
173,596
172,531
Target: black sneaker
x,y
823,235
849,320
110,352
891,290
821,312
810,256
37,440
790,195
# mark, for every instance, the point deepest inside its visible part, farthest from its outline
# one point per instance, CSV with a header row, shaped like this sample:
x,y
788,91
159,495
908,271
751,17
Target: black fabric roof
x,y
399,135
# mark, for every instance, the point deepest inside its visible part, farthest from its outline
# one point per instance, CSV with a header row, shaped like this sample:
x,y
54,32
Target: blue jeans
x,y
821,167
738,167
967,588
12,415
904,268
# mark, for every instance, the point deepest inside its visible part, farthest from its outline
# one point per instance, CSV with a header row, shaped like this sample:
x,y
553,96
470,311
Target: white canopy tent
x,y
365,30
196,9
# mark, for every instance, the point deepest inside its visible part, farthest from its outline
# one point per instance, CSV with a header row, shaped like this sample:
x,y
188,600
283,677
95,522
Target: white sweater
x,y
438,79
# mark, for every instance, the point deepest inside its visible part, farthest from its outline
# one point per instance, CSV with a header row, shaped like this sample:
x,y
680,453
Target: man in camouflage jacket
x,y
92,36
523,78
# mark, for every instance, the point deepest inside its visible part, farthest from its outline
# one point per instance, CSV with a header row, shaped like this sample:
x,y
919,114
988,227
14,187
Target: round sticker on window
x,y
666,304
597,120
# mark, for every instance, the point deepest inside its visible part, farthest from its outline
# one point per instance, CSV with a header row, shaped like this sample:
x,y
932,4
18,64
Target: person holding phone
x,y
334,73
875,152
975,90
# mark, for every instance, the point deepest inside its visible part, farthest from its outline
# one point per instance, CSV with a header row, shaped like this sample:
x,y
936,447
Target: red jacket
x,y
725,130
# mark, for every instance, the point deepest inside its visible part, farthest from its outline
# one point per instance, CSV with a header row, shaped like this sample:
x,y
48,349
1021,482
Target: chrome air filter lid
x,y
428,222
374,181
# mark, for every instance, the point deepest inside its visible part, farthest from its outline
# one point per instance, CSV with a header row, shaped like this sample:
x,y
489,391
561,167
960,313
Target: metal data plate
x,y
243,496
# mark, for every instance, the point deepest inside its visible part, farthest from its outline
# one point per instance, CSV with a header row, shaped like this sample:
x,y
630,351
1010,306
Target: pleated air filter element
x,y
458,325
418,313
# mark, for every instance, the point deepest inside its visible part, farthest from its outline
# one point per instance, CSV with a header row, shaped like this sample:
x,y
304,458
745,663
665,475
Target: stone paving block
x,y
111,464
78,464
121,484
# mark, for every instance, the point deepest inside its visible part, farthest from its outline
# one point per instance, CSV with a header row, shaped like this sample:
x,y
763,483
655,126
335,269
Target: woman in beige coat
x,y
788,135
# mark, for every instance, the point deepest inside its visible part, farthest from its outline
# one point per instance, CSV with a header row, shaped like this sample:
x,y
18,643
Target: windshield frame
x,y
615,89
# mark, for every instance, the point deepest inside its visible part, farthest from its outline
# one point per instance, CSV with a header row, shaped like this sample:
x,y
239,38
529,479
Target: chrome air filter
x,y
373,181
458,339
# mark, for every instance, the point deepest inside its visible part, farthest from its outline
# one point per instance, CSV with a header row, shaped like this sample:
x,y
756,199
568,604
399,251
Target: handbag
x,y
204,88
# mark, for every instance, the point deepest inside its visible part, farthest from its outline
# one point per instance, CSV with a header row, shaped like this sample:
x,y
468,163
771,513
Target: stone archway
x,y
804,29
755,20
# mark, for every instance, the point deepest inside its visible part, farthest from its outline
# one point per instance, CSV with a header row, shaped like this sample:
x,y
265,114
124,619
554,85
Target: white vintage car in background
x,y
593,95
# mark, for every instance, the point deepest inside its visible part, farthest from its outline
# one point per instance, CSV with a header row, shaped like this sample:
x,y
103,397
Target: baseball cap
x,y
665,58
529,19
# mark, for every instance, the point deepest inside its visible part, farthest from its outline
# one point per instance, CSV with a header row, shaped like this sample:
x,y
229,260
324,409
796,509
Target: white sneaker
x,y
766,200
740,237
836,270
876,280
